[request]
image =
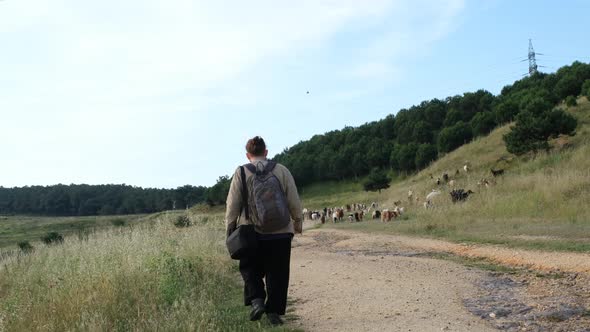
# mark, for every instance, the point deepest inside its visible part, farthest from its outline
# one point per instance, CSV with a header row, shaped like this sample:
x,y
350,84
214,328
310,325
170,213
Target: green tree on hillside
x,y
568,86
406,157
482,123
586,89
571,101
376,181
453,137
535,125
425,154
506,111
358,164
422,133
453,116
377,154
571,79
393,156
217,194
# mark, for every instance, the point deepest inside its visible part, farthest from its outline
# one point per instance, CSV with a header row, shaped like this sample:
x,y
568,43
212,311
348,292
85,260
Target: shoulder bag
x,y
242,242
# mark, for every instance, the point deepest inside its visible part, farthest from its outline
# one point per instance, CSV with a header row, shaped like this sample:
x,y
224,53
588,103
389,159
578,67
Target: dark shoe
x,y
257,309
274,319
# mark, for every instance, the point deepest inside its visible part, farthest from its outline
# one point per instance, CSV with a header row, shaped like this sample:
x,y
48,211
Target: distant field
x,y
541,202
30,228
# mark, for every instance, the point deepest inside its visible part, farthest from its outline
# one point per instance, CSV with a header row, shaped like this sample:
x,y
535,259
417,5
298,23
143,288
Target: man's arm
x,y
293,201
233,203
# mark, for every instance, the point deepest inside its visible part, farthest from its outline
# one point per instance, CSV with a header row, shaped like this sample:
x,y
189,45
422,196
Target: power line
x,y
562,56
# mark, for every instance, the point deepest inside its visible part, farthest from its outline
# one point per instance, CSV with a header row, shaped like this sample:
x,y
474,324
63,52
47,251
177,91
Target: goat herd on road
x,y
357,212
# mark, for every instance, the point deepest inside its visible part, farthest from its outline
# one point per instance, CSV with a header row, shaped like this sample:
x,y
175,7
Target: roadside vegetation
x,y
152,277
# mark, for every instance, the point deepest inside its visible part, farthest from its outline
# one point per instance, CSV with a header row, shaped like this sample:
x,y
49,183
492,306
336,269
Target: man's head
x,y
256,148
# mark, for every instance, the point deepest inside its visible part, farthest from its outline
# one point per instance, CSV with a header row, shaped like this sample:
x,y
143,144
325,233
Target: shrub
x,y
182,221
118,222
52,238
25,246
534,127
376,181
571,101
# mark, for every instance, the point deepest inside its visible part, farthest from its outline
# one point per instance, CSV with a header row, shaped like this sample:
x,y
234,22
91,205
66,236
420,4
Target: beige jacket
x,y
235,215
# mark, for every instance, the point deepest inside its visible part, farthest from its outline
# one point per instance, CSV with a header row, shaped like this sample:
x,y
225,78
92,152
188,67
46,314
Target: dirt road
x,y
345,281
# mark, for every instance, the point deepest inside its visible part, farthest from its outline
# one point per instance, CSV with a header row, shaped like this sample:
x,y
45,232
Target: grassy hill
x,y
540,202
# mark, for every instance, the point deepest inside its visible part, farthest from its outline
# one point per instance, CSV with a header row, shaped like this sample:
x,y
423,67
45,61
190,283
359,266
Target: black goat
x,y
497,172
458,195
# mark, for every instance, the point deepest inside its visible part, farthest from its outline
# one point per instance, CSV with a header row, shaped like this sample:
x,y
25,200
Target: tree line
x,y
83,200
414,137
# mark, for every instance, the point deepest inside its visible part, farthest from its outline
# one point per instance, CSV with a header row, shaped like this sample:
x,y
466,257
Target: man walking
x,y
271,202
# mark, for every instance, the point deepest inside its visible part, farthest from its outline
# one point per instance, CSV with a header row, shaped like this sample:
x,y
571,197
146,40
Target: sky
x,y
166,93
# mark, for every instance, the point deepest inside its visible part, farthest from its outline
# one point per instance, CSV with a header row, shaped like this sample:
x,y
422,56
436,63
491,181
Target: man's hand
x,y
298,227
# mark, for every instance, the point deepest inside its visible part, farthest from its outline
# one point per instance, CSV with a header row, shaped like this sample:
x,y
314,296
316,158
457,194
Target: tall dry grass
x,y
153,277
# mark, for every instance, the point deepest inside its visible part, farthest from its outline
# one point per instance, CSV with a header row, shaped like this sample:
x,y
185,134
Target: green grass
x,y
151,277
469,236
541,202
30,228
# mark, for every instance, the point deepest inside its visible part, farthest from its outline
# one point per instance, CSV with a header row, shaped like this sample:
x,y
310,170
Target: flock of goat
x,y
457,194
357,212
354,213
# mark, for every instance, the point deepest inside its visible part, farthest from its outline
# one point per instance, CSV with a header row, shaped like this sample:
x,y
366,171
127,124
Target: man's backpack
x,y
269,210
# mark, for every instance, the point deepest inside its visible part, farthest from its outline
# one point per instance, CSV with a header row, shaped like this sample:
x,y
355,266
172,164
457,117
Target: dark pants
x,y
271,263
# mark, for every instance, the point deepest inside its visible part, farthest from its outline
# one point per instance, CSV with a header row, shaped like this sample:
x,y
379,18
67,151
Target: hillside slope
x,y
540,202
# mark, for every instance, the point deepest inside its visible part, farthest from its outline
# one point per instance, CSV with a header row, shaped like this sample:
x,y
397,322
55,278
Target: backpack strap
x,y
250,167
270,166
244,193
